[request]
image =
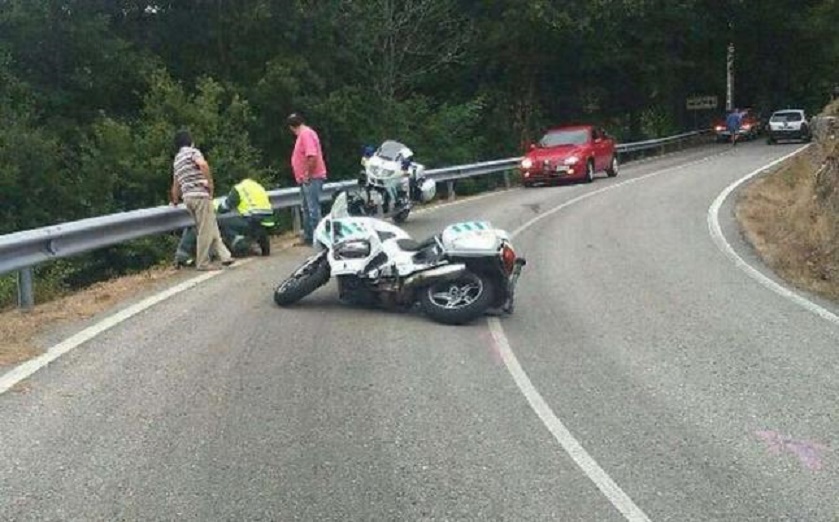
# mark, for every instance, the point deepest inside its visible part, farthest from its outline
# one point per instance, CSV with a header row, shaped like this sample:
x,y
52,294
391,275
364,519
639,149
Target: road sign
x,y
698,103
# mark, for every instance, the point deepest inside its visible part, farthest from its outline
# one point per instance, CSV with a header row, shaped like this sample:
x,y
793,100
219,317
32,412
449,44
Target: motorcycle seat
x,y
408,245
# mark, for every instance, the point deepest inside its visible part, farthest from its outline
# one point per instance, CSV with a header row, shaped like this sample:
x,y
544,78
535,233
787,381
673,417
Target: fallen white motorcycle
x,y
456,276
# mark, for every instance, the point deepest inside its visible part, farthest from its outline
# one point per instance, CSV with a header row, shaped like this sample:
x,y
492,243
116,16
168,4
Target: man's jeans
x,y
310,193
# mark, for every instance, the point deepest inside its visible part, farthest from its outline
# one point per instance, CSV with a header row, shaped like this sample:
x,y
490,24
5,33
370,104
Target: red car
x,y
572,152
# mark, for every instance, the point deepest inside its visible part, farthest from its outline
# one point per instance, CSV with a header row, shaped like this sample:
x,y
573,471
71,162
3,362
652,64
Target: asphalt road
x,y
702,394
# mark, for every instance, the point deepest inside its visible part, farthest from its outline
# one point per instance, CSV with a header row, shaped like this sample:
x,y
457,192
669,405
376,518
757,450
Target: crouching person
x,y
248,225
253,218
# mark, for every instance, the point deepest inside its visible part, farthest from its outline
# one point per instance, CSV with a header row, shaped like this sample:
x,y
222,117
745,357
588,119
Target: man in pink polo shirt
x,y
309,172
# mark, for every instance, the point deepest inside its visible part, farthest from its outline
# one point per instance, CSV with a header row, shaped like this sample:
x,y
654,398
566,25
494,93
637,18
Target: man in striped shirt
x,y
192,181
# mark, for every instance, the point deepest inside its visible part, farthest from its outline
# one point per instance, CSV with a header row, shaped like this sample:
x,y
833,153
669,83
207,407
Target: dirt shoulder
x,y
791,217
24,335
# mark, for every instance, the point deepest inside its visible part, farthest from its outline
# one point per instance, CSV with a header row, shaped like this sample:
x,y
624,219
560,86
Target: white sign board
x,y
698,103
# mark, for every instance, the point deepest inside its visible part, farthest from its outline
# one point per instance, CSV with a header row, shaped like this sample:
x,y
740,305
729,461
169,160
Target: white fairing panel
x,y
471,236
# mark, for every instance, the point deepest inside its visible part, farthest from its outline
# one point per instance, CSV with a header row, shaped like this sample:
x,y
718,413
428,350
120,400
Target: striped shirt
x,y
188,175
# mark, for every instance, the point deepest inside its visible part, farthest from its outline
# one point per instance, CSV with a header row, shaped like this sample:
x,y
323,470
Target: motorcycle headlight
x,y
573,160
353,249
526,163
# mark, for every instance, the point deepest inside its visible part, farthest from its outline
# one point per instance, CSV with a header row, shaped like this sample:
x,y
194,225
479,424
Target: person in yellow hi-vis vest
x,y
250,223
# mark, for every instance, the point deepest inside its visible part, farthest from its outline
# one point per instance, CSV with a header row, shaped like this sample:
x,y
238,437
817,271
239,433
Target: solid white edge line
x,y
719,239
572,447
616,496
26,369
587,195
619,499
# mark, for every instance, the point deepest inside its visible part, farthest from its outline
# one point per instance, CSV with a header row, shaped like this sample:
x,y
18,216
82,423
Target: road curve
x,y
702,394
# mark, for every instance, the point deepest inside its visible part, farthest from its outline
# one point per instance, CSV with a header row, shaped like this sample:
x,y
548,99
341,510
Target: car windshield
x,y
564,137
390,150
786,116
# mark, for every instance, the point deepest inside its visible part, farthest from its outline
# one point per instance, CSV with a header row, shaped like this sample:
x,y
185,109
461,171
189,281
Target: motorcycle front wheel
x,y
313,274
458,301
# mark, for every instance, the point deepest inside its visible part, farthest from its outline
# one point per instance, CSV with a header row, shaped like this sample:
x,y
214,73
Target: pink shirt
x,y
307,144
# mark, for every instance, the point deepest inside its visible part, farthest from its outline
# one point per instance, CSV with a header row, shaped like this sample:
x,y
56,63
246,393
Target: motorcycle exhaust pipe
x,y
443,273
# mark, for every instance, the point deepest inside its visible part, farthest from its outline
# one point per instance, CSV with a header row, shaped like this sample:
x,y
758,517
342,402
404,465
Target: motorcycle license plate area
x,y
470,235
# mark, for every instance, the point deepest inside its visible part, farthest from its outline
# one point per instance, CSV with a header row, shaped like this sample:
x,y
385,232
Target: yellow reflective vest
x,y
253,199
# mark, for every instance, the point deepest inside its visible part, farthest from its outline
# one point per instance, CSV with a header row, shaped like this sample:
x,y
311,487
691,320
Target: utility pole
x,y
729,93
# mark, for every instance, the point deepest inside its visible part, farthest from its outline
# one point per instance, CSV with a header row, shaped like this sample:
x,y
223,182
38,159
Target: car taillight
x,y
508,258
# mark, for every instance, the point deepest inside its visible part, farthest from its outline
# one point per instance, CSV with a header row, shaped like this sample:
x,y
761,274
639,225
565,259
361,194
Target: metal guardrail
x,y
20,251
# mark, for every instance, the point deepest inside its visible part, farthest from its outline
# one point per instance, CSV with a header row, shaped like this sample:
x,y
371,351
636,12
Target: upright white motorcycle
x,y
455,276
392,181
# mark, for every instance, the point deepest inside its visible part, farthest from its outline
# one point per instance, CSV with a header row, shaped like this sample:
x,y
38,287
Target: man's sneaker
x,y
229,263
179,263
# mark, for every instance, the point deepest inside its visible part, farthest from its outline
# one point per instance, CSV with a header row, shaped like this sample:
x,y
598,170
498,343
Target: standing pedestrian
x,y
732,123
192,181
309,172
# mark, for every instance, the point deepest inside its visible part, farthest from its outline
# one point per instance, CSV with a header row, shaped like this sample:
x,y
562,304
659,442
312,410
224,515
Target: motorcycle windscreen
x,y
340,206
393,151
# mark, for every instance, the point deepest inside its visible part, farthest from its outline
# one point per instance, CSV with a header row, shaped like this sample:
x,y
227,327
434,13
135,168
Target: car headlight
x,y
352,249
526,163
573,160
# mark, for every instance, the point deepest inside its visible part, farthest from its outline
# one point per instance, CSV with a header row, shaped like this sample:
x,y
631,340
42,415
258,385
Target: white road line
x,y
619,499
587,195
26,369
725,247
593,471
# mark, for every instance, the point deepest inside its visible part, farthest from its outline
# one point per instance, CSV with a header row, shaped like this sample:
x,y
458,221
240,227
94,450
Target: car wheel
x,y
612,171
589,171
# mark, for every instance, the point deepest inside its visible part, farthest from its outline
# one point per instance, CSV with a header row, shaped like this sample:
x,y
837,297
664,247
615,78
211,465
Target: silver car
x,y
788,124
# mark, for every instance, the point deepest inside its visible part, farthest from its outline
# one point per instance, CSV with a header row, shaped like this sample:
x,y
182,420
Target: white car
x,y
788,124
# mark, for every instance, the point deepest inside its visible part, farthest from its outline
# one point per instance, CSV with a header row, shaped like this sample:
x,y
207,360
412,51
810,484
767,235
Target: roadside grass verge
x,y
791,217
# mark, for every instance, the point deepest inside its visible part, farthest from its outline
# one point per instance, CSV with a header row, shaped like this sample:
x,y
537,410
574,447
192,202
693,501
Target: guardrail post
x,y
296,220
450,190
25,295
506,179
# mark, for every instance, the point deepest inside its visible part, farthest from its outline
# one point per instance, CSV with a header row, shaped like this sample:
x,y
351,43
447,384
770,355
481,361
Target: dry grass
x,y
18,330
791,217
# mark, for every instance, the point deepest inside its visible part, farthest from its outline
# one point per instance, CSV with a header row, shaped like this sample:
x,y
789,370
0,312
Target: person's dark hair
x,y
182,139
295,120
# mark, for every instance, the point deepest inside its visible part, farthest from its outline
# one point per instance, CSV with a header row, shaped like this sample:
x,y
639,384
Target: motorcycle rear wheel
x,y
313,274
459,301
